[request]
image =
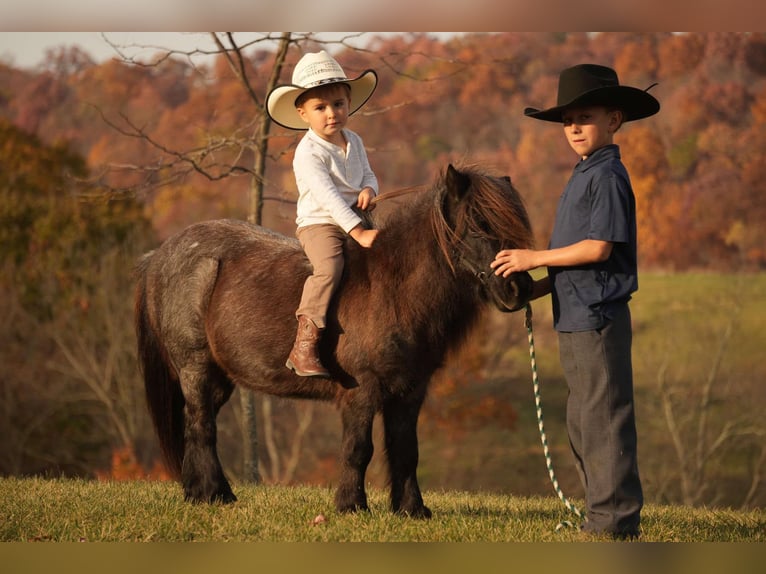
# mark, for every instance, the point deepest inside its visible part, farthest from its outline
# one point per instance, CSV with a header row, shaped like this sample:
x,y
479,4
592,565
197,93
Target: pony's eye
x,y
483,232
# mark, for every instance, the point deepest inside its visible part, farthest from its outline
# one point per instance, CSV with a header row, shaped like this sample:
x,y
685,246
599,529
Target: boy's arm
x,y
583,252
541,287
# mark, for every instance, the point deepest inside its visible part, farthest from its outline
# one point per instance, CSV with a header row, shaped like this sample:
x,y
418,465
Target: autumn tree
x,y
68,366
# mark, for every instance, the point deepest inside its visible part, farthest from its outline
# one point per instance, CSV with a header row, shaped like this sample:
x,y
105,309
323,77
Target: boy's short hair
x,y
322,91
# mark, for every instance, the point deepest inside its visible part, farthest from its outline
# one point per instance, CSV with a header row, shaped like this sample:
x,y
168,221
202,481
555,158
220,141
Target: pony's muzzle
x,y
516,292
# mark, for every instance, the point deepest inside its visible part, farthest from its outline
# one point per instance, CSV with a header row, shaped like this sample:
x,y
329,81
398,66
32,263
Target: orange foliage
x,y
636,64
758,108
323,471
460,399
459,100
679,54
125,466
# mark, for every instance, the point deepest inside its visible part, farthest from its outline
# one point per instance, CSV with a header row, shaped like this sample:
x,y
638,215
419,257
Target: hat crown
x,y
590,85
316,69
584,78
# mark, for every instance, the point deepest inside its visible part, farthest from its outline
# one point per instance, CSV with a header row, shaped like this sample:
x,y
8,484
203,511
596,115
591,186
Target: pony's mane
x,y
490,208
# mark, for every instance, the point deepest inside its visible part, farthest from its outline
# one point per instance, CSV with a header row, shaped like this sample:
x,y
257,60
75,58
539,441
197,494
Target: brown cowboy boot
x,y
304,359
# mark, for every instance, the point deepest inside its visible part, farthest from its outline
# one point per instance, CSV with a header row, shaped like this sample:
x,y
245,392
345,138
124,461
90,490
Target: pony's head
x,y
477,215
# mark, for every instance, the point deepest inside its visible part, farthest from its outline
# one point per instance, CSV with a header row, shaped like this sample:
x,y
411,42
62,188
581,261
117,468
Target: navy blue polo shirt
x,y
597,203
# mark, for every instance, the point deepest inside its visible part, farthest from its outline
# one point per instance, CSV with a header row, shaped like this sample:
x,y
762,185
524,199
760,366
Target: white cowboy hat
x,y
312,70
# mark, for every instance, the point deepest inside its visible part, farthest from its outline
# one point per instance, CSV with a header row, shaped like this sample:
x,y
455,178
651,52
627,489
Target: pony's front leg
x,y
400,417
357,416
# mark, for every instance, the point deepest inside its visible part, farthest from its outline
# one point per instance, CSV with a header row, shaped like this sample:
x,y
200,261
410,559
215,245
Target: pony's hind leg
x,y
400,417
205,390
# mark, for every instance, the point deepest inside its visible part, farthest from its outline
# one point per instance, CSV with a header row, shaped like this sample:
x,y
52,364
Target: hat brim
x,y
636,104
280,103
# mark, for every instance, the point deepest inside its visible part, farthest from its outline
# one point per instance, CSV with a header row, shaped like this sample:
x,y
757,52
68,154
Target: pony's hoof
x,y
351,508
224,498
423,513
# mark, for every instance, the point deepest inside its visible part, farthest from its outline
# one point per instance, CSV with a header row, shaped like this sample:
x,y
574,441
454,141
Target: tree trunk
x,y
250,472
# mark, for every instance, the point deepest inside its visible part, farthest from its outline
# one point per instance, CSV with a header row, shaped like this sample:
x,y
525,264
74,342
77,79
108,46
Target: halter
x,y
480,274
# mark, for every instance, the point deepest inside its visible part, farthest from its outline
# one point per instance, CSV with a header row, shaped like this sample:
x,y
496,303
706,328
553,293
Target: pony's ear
x,y
457,183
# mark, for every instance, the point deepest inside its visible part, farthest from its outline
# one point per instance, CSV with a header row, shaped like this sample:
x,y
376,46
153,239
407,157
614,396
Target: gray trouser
x,y
323,245
601,423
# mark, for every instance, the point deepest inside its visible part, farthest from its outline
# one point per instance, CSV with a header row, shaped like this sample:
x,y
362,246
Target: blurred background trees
x,y
69,378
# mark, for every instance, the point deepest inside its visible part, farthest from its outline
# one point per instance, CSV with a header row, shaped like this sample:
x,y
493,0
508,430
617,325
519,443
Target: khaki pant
x,y
323,245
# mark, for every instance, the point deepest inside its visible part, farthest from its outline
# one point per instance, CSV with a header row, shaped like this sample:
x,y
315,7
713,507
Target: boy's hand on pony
x,y
364,237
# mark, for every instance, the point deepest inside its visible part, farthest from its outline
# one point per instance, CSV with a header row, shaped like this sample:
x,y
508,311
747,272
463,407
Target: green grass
x,y
67,510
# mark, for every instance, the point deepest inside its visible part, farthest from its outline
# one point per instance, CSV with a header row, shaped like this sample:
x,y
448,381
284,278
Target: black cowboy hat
x,y
590,85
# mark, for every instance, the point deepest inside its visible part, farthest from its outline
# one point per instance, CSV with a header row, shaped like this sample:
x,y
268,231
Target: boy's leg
x,y
601,423
323,245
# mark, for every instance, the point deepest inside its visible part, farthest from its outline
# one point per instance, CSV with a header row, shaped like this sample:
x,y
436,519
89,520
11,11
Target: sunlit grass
x,y
65,510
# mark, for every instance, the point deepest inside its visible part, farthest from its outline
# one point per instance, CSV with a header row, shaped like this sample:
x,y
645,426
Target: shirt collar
x,y
323,142
602,154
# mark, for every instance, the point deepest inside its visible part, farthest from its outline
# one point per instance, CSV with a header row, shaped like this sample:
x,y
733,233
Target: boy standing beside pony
x,y
592,273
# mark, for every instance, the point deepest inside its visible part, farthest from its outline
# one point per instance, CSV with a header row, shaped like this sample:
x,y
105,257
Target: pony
x,y
215,304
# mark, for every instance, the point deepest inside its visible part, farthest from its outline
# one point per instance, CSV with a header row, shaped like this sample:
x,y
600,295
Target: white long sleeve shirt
x,y
329,180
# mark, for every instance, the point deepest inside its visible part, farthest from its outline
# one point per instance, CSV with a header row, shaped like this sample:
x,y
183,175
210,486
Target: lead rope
x,y
539,407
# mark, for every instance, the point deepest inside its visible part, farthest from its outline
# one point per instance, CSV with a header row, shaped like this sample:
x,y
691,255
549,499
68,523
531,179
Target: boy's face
x,y
326,112
590,128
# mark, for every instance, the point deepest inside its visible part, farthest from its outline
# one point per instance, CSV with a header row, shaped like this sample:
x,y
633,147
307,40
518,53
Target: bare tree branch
x,y
757,471
696,455
268,435
305,413
237,64
195,158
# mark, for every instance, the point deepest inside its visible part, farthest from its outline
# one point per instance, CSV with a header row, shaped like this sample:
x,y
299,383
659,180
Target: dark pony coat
x,y
215,308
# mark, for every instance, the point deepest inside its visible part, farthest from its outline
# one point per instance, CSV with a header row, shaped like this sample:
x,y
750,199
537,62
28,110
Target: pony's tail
x,y
163,392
